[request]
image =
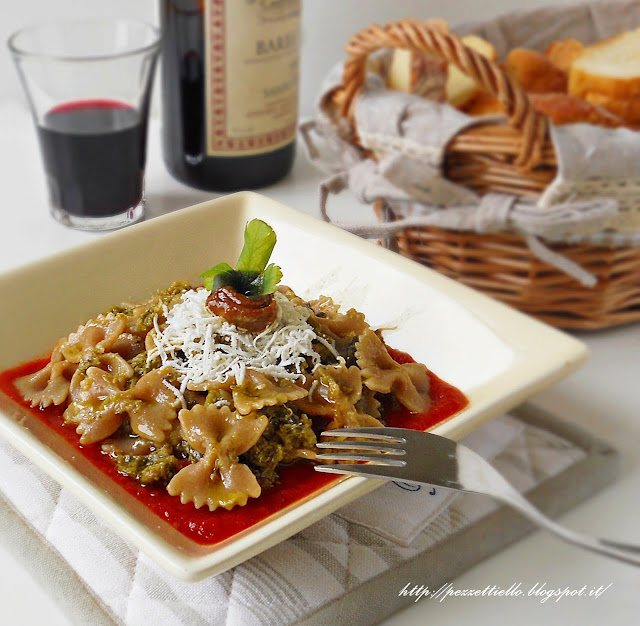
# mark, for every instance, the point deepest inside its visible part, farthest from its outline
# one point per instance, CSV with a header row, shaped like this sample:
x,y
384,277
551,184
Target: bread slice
x,y
610,68
460,88
417,72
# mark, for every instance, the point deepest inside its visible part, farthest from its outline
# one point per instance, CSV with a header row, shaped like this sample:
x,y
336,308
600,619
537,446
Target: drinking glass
x,y
89,86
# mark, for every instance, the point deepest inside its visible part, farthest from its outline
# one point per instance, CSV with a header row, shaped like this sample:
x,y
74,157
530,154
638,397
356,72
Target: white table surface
x,y
603,396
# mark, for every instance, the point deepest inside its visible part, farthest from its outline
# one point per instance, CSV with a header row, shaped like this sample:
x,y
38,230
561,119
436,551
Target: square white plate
x,y
495,355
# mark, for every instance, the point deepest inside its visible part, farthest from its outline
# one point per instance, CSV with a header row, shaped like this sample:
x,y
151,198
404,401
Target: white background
x,y
603,396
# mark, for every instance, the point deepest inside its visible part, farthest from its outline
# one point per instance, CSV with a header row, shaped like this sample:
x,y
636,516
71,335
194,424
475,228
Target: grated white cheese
x,y
201,346
178,393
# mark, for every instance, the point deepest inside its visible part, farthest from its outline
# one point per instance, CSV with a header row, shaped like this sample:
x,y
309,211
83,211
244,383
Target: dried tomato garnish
x,y
252,314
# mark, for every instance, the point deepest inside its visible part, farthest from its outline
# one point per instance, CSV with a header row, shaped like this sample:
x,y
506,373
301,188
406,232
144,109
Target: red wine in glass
x,y
94,157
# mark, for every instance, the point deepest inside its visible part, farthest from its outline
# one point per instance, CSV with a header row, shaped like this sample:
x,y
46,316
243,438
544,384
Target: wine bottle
x,y
229,91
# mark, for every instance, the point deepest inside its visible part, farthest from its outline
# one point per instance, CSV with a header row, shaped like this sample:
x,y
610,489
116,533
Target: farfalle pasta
x,y
207,390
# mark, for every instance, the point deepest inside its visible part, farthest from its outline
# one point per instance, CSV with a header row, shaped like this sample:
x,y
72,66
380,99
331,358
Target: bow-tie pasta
x,y
181,398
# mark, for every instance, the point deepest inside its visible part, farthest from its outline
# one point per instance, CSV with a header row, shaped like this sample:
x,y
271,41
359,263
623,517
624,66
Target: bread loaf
x,y
561,108
563,53
626,108
534,72
569,83
608,74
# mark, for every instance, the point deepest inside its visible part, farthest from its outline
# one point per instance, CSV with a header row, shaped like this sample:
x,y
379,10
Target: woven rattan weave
x,y
516,156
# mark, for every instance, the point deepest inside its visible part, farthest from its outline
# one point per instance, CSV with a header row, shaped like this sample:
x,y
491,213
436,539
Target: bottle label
x,y
251,52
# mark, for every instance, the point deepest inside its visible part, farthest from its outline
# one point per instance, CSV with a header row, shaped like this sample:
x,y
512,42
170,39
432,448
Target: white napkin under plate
x,y
99,578
399,511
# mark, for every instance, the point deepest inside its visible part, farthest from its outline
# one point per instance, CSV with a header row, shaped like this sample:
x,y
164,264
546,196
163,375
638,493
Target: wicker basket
x,y
513,156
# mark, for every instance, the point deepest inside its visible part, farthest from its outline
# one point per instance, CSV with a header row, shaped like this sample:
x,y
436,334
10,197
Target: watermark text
x,y
541,591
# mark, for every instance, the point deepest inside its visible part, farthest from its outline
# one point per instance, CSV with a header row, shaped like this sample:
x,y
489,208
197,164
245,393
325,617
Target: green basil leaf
x,y
249,278
212,272
259,241
270,278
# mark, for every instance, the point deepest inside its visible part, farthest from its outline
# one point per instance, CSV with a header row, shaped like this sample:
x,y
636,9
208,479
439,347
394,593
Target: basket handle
x,y
425,37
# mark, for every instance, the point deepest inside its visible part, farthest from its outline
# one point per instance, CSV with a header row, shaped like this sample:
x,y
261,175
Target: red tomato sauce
x,y
205,527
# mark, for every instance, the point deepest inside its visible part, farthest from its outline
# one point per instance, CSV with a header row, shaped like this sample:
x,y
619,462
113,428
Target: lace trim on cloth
x,y
493,213
592,162
382,143
625,191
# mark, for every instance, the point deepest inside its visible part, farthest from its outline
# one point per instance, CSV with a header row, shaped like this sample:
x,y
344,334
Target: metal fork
x,y
425,458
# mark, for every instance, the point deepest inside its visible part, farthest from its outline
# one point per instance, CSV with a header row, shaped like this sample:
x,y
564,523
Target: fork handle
x,y
621,551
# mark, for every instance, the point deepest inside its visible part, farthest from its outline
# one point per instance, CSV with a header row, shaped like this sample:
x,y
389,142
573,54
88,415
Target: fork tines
x,y
374,445
381,433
